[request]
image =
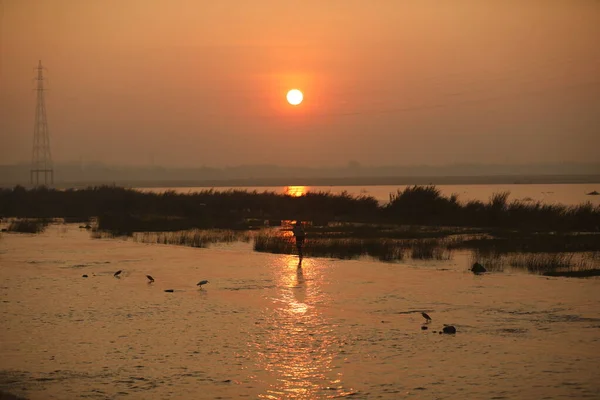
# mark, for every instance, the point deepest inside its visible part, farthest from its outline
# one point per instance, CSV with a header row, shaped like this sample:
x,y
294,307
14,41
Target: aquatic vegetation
x,y
491,261
554,264
98,234
417,205
384,249
426,206
530,242
544,262
128,210
193,238
583,273
274,243
429,250
28,226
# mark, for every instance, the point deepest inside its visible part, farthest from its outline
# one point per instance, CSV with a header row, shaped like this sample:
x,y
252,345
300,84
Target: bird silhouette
x,y
427,317
201,283
116,274
150,279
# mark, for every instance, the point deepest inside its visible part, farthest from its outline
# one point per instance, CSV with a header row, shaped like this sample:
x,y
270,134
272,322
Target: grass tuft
x,y
27,226
193,238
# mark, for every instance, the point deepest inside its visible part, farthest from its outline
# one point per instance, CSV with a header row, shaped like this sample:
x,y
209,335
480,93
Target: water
x,y
264,329
569,194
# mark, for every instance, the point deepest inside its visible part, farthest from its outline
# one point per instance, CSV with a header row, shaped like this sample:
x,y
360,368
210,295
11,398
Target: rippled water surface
x,y
264,328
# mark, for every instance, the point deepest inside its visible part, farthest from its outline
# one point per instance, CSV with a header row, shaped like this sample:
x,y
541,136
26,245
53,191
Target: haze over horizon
x,y
191,83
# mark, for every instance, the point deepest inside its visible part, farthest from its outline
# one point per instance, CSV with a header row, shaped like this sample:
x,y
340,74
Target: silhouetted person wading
x,y
300,235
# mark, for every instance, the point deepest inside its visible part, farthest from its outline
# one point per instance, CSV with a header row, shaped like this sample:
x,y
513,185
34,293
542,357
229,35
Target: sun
x,y
294,97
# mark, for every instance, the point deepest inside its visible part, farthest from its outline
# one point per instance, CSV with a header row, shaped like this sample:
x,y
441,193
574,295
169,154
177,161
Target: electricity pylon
x,y
41,160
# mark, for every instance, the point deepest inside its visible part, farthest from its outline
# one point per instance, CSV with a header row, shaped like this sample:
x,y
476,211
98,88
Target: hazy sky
x,y
193,82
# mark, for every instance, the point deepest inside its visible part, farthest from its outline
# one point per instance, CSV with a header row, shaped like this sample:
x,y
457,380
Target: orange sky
x,y
190,82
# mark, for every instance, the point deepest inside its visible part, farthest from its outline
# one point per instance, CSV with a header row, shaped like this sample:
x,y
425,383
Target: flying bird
x,y
150,279
116,274
201,283
427,317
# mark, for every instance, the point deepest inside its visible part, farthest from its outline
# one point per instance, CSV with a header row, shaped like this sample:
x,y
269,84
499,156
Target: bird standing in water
x,y
427,317
201,283
150,279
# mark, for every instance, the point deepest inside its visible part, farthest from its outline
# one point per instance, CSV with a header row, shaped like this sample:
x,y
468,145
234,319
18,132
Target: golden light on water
x,y
301,346
296,191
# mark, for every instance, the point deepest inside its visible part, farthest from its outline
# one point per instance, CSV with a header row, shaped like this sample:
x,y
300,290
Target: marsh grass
x,y
538,263
531,242
425,205
100,234
582,273
492,261
384,249
129,210
544,262
386,231
430,249
193,238
28,225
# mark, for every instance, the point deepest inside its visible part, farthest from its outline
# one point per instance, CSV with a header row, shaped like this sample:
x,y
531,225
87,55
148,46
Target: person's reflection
x,y
300,284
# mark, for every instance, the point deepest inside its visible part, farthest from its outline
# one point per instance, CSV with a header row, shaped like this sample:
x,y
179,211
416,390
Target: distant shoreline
x,y
349,181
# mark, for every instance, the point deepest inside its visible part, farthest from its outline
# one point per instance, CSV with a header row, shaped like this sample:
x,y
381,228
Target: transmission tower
x,y
41,160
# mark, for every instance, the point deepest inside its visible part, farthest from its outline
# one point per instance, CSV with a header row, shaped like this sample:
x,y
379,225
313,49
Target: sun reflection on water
x,y
300,346
296,191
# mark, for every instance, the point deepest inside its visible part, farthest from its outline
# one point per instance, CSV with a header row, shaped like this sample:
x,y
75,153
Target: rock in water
x,y
449,329
478,268
169,290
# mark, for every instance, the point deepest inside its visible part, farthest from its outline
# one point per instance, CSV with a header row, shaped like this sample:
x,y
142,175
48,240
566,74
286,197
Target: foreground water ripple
x,y
265,328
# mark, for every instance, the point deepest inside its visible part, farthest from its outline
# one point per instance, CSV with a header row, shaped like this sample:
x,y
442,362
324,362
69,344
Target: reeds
x,y
27,226
425,205
429,250
98,234
128,210
525,242
384,249
544,262
583,273
193,238
538,263
492,261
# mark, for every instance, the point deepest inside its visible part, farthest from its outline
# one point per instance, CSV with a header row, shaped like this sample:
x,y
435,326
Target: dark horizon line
x,y
348,181
339,166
